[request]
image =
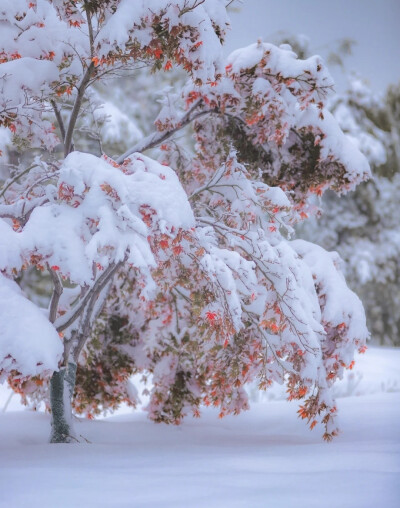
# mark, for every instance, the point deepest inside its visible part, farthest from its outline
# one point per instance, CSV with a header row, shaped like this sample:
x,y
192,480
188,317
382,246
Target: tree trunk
x,y
62,386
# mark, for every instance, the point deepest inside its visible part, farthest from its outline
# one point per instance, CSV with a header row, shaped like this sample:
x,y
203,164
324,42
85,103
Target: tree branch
x,y
71,316
16,178
90,27
76,108
187,8
89,317
90,314
156,138
59,120
57,292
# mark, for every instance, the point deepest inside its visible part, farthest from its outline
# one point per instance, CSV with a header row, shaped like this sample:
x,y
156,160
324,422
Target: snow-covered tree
x,y
356,223
189,273
363,226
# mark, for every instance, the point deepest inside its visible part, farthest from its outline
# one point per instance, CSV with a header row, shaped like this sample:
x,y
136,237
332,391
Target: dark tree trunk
x,y
62,386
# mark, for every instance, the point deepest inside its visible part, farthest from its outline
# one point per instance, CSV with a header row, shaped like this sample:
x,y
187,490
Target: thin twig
x,y
16,178
8,401
188,8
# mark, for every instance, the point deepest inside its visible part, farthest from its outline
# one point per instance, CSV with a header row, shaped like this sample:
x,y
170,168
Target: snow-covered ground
x,y
266,457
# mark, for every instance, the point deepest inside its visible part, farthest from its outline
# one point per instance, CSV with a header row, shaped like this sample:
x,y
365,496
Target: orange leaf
x,y
303,413
302,391
177,250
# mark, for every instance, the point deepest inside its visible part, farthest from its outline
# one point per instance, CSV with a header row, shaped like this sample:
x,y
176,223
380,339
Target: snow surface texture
x,y
264,457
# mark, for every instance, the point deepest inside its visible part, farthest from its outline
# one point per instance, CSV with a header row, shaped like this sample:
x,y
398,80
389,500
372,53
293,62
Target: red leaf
x,y
211,316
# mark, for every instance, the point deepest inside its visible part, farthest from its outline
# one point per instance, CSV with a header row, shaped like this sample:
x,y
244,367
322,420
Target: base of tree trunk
x,y
62,386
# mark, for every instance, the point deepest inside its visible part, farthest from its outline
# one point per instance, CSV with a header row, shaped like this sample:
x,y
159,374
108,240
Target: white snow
x,y
207,14
28,341
340,302
60,231
264,457
117,125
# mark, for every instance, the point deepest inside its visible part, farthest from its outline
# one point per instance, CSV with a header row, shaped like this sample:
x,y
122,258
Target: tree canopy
x,y
181,265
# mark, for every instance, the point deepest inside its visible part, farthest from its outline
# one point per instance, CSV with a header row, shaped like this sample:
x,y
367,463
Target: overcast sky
x,y
374,24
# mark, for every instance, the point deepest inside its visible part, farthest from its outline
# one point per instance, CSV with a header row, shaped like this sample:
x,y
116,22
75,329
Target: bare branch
x,y
156,138
59,120
90,27
69,318
67,346
91,314
76,108
57,292
16,178
188,8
